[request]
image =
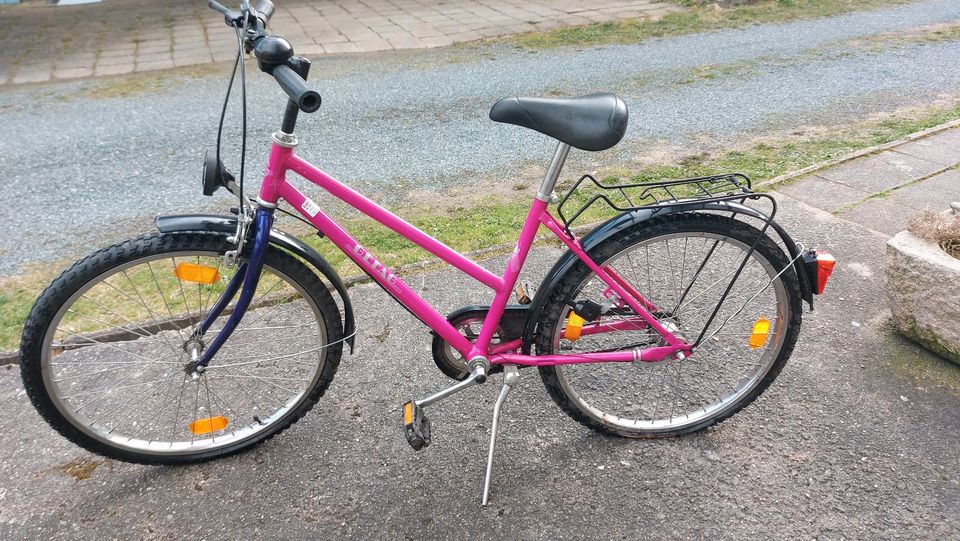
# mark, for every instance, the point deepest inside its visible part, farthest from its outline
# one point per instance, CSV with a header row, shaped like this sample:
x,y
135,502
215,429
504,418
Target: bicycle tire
x,y
86,272
647,232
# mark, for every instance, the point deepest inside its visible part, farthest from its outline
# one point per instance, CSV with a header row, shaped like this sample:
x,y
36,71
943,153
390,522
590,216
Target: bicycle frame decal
x,y
374,265
276,187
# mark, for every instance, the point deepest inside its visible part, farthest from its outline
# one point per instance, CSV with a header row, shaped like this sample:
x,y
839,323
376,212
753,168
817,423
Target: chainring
x,y
468,321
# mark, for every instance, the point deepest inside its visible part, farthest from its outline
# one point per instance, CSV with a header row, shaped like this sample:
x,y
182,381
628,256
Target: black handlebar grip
x,y
264,10
307,100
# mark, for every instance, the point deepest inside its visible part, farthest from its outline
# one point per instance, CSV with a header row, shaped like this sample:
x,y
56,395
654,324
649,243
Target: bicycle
x,y
218,332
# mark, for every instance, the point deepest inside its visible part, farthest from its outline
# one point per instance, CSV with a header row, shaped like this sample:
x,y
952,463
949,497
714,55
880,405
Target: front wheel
x,y
682,263
106,351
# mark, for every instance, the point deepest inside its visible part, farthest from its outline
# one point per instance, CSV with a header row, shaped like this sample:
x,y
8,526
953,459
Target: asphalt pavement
x,y
80,168
856,439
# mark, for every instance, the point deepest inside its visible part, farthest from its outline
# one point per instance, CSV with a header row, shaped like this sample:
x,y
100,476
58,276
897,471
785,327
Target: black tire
x,y
647,232
100,264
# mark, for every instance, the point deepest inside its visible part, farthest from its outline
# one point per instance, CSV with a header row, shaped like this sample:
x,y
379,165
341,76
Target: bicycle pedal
x,y
416,426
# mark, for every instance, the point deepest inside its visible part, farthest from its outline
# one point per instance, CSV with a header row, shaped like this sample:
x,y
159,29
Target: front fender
x,y
628,219
286,241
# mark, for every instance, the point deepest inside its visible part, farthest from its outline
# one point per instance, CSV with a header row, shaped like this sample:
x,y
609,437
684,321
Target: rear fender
x,y
286,241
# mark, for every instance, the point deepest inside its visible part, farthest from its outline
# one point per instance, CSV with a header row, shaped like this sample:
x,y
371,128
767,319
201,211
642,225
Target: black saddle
x,y
592,122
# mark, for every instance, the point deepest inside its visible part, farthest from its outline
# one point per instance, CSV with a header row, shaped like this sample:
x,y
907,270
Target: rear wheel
x,y
106,351
682,263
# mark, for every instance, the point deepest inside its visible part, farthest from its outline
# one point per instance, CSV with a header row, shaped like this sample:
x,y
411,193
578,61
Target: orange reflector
x,y
761,329
408,413
201,274
208,425
574,327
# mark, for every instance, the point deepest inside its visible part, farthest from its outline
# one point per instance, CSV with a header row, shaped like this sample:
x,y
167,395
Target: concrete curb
x,y
776,181
12,357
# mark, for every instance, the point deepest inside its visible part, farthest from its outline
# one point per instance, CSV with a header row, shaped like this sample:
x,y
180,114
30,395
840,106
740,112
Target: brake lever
x,y
232,18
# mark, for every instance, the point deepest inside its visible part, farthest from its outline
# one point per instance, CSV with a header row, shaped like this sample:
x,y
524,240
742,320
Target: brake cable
x,y
243,95
226,99
243,214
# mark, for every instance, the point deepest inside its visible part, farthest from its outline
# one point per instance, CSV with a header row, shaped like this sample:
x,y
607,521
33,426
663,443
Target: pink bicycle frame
x,y
276,187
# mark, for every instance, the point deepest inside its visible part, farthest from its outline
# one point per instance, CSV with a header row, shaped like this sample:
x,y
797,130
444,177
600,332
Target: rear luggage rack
x,y
663,193
724,193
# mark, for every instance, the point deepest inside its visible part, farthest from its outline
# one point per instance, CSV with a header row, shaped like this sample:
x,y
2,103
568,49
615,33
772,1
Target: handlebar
x,y
264,9
290,81
260,13
274,55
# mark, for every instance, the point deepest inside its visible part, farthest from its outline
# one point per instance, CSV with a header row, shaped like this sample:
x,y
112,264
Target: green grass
x,y
715,71
496,222
696,19
16,297
922,35
772,158
138,84
464,230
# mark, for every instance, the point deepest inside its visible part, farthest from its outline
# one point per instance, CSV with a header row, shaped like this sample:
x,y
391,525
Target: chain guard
x,y
467,321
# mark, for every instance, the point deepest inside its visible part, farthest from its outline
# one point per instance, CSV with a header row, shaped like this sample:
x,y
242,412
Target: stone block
x,y
923,292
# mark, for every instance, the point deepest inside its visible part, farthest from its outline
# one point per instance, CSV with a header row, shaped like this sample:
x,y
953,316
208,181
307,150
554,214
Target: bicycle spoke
x,y
164,297
689,274
149,311
183,295
117,365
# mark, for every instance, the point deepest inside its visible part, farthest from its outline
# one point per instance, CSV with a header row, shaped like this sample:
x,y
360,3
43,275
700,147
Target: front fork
x,y
248,274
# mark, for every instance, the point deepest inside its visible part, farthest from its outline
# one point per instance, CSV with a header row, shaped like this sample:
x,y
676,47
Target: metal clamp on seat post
x,y
545,192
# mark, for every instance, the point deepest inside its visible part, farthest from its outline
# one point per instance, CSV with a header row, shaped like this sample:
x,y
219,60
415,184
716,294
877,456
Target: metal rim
x,y
708,411
237,437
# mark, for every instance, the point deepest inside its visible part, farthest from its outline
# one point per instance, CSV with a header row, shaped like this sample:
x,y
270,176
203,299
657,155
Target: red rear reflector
x,y
825,264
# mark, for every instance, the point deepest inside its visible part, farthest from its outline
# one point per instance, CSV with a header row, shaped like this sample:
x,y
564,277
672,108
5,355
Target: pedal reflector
x,y
208,425
416,426
574,327
201,274
408,413
761,329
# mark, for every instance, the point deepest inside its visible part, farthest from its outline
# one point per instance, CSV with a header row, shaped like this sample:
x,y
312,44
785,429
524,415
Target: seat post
x,y
553,172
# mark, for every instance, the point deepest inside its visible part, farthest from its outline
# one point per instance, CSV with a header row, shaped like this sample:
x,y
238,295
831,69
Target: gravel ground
x,y
100,168
857,439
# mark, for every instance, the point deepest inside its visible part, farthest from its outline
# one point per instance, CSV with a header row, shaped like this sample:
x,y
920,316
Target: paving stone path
x,y
44,43
884,191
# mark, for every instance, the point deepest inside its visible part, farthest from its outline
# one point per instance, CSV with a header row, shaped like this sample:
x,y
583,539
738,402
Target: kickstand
x,y
510,377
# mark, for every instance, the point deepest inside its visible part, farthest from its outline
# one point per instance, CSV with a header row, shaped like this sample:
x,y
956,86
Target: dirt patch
x,y
382,336
200,480
80,468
